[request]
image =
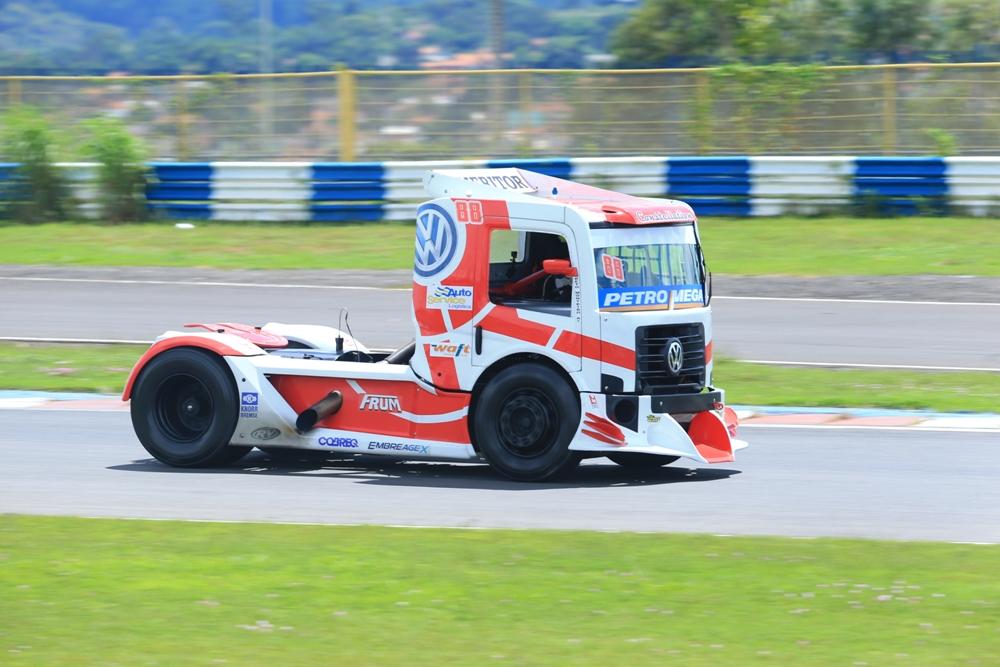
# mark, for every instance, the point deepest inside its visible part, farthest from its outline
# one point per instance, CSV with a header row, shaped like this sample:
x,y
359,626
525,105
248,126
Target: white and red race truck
x,y
553,321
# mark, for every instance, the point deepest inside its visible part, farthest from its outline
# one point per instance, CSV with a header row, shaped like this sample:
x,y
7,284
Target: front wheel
x,y
184,409
524,420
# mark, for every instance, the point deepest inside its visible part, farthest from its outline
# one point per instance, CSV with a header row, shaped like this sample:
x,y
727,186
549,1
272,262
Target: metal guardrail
x,y
730,186
900,109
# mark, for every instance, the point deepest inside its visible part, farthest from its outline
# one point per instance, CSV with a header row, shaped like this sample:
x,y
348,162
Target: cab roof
x,y
595,204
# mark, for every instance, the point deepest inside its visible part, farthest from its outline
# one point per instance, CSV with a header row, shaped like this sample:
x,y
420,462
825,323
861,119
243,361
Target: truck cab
x,y
612,290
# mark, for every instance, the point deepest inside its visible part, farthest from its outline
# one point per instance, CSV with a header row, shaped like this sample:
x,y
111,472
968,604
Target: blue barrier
x,y
728,185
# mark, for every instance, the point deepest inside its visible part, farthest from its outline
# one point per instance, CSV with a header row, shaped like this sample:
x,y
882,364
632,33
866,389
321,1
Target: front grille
x,y
652,374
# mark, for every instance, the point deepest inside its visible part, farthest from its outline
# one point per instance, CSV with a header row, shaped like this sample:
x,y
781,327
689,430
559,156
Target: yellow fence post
x,y
347,96
527,125
183,134
703,111
889,111
13,92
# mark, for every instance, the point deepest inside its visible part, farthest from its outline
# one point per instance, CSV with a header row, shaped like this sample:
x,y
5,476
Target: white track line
x,y
74,341
875,301
912,429
197,283
834,364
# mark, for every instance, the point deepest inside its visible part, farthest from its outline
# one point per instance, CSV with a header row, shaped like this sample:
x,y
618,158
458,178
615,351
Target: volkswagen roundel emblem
x,y
674,356
436,240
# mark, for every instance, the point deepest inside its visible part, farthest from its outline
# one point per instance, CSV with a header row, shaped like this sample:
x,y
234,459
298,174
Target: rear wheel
x,y
641,461
184,409
524,420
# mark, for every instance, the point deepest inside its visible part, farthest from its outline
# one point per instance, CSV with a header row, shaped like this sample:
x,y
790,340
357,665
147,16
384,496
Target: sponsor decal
x,y
662,215
448,349
613,267
265,433
379,403
511,182
349,443
652,419
650,297
249,402
593,400
436,240
448,297
399,447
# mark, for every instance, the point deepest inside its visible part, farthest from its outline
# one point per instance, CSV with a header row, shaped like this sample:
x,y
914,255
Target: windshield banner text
x,y
642,298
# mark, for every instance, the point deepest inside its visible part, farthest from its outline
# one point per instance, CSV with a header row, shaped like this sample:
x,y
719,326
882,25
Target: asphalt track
x,y
893,484
838,331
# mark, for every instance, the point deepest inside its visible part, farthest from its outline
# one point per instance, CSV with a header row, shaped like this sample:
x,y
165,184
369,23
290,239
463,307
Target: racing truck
x,y
552,321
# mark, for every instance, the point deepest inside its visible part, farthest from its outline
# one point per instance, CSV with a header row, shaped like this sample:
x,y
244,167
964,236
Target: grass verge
x,y
103,368
134,592
765,246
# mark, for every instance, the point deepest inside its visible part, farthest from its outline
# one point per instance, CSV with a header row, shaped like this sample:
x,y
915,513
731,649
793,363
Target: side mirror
x,y
559,267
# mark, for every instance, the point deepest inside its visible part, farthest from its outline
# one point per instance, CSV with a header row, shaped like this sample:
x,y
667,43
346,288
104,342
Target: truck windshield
x,y
648,269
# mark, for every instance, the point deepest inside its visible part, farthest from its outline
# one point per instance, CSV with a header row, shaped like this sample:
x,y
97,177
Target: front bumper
x,y
692,426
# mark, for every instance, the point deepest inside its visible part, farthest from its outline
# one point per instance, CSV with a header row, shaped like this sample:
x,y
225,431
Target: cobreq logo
x,y
380,403
436,239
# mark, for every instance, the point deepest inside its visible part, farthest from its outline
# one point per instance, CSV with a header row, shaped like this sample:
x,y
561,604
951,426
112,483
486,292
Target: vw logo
x,y
674,355
436,240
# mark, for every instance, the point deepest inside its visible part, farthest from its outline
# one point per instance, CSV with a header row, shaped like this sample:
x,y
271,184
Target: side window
x,y
516,276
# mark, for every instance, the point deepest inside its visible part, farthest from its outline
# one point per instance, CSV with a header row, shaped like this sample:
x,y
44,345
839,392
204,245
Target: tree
x,y
890,26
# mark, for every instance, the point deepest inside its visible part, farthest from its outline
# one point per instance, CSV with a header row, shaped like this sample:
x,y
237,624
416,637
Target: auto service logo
x,y
674,356
436,240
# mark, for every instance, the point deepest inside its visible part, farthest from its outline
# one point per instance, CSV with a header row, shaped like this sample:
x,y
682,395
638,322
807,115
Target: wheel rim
x,y
527,423
184,408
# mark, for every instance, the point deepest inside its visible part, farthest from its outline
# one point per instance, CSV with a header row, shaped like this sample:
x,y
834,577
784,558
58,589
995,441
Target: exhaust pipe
x,y
319,411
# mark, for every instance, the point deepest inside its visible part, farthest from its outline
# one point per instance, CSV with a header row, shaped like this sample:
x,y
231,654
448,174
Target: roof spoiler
x,y
513,183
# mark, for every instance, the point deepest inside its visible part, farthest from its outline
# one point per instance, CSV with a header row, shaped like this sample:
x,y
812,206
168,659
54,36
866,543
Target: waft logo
x,y
449,349
436,240
380,403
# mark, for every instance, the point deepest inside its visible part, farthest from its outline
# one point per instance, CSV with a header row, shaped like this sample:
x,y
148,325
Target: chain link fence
x,y
368,115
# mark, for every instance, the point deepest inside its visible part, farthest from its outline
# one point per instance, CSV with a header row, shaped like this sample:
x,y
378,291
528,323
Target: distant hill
x,y
202,36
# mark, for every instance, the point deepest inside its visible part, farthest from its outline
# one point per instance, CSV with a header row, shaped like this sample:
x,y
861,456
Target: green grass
x,y
103,368
89,368
950,391
849,246
793,246
86,591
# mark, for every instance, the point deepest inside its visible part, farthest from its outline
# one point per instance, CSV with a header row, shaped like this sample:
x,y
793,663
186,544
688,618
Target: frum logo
x,y
380,403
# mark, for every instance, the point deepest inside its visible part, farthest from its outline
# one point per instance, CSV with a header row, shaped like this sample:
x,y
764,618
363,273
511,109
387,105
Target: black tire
x,y
184,409
642,461
524,420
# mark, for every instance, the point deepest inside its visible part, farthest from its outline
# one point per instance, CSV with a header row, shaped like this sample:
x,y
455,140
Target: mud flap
x,y
711,437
